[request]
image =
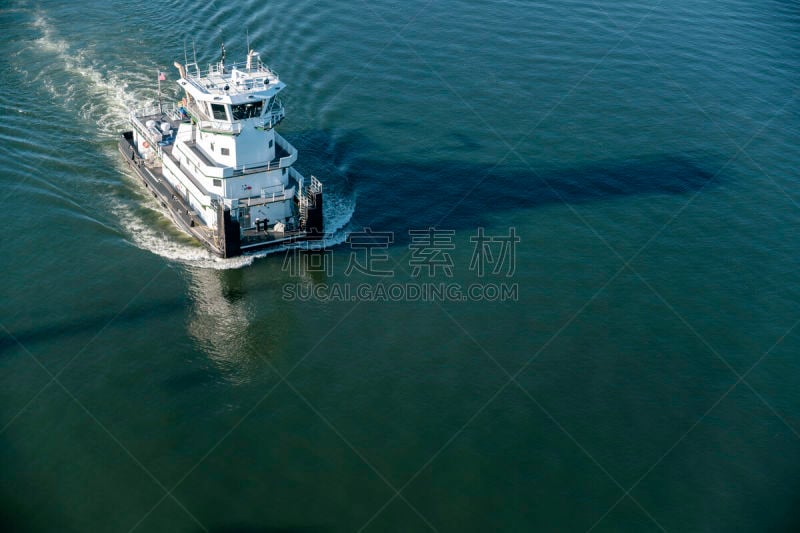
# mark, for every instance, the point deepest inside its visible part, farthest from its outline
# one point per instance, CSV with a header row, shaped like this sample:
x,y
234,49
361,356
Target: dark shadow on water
x,y
398,195
85,325
455,196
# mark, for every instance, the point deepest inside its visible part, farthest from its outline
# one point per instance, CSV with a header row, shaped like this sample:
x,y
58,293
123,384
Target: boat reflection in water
x,y
244,335
219,321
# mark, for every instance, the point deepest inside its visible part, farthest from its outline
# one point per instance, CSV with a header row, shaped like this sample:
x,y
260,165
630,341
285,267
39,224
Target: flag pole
x,y
160,109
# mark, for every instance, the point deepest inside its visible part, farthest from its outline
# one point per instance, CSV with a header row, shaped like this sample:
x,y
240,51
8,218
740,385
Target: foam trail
x,y
145,236
108,97
338,210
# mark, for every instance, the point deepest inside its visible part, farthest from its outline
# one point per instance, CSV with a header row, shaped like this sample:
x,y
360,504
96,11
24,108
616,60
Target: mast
x,y
160,107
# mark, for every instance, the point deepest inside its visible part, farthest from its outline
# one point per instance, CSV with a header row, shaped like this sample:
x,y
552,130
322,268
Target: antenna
x,y
160,75
185,57
250,53
247,31
222,61
194,52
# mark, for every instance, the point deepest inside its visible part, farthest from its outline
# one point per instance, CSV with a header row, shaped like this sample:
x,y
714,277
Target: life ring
x,y
146,144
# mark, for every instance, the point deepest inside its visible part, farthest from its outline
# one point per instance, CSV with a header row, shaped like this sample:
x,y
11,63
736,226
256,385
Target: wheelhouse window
x,y
218,112
248,110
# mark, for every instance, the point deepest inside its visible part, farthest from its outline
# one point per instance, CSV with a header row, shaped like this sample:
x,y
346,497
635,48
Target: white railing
x,y
306,196
261,200
218,69
207,170
315,187
290,159
271,189
302,203
195,110
143,129
271,118
255,169
274,193
168,108
228,78
299,178
218,126
283,162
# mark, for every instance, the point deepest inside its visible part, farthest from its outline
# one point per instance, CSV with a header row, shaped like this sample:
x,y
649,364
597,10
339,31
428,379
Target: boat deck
x,y
175,119
152,171
167,151
253,237
187,219
179,209
200,155
280,152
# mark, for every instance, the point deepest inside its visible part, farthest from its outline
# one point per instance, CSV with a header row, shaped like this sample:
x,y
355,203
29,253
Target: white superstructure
x,y
219,151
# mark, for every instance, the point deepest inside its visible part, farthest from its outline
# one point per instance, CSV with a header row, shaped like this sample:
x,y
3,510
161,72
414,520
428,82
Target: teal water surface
x,y
642,376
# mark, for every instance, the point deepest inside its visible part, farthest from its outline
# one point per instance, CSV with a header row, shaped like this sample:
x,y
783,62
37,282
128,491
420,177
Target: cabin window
x,y
270,143
225,151
248,110
217,183
284,171
218,111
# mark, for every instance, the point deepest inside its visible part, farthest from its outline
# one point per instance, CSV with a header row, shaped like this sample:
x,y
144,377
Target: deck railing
x,y
272,117
195,74
219,126
168,108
